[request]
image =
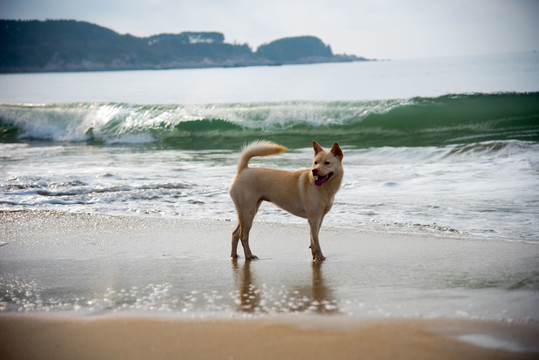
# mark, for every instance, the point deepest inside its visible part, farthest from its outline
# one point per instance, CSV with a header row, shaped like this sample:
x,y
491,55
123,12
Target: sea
x,y
437,216
444,146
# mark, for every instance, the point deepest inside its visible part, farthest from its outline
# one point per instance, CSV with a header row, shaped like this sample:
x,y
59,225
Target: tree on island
x,y
69,45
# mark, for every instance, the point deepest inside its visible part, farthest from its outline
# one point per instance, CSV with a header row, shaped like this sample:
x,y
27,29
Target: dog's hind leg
x,y
245,243
235,240
246,217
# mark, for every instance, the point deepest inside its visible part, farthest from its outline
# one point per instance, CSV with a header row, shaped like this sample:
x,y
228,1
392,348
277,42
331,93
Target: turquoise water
x,y
419,121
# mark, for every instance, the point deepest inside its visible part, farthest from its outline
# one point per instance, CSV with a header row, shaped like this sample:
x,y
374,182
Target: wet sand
x,y
82,286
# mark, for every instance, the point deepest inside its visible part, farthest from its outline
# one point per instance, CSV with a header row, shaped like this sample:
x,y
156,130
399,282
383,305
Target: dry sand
x,y
47,337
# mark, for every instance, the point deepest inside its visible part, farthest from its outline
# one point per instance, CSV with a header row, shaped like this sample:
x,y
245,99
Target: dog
x,y
306,193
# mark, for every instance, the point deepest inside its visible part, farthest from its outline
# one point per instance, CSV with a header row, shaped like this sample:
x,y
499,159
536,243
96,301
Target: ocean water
x,y
444,151
445,146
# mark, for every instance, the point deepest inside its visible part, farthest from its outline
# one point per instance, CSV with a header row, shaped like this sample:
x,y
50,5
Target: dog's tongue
x,y
321,180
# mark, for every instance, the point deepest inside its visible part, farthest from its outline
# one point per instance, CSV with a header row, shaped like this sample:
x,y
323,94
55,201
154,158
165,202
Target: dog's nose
x,y
315,172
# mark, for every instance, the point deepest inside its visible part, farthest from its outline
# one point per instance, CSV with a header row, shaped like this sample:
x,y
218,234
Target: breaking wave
x,y
449,119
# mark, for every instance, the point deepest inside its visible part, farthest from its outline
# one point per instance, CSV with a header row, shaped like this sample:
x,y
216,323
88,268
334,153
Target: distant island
x,y
69,45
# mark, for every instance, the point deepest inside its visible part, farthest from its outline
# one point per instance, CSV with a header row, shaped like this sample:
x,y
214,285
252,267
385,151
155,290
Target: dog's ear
x,y
317,148
336,150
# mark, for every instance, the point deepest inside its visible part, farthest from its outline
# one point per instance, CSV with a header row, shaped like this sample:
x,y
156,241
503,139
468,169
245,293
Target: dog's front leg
x,y
315,224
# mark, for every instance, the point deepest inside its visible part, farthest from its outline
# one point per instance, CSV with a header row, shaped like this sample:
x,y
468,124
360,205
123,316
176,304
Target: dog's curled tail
x,y
258,148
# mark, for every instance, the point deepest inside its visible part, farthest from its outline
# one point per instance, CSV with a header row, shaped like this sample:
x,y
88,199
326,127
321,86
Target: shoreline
x,y
100,286
118,337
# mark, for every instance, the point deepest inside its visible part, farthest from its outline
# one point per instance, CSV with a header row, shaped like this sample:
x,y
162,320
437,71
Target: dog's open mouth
x,y
321,180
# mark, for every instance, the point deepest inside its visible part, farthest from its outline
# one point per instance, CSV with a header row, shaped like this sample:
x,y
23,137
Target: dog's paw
x,y
320,257
252,257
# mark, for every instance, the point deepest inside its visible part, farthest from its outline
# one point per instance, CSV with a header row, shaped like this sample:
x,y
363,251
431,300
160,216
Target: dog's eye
x,y
316,162
326,163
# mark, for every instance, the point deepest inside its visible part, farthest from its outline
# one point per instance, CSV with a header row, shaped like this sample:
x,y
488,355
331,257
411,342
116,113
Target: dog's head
x,y
326,164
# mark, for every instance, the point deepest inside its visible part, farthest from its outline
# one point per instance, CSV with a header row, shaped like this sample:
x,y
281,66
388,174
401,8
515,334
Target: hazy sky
x,y
372,28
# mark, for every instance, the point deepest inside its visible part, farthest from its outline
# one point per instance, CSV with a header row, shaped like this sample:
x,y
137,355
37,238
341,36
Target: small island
x,y
69,45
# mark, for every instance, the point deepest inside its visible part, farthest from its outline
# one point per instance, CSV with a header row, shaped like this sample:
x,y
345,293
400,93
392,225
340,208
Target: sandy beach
x,y
45,337
95,286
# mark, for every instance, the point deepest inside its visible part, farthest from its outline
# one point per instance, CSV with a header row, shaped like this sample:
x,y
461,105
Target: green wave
x,y
450,119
